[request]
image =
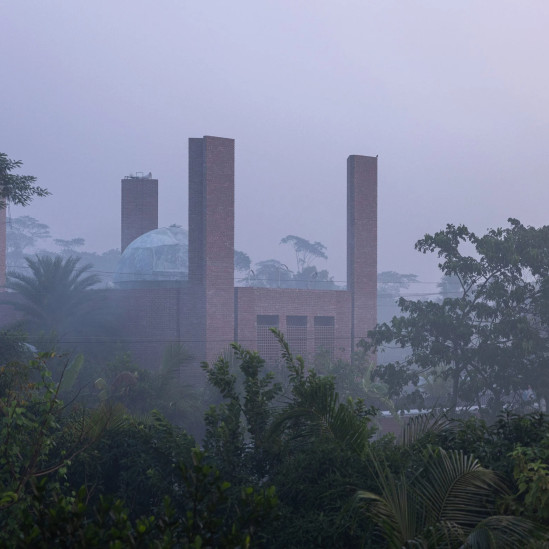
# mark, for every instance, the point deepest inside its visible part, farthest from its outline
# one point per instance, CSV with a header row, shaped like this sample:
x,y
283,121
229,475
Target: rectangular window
x,y
325,335
267,345
296,335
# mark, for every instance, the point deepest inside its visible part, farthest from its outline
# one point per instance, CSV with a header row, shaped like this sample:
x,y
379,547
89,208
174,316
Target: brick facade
x,y
211,243
362,243
152,319
213,313
283,303
207,312
3,245
139,212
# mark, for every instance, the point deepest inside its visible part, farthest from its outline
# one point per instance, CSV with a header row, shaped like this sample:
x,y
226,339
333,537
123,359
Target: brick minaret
x,y
139,208
3,246
362,244
211,244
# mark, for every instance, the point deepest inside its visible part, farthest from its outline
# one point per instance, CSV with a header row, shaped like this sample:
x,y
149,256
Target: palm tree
x,y
55,295
449,503
315,409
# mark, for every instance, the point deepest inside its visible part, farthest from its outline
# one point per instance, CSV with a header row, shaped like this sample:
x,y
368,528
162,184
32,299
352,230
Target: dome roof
x,y
157,256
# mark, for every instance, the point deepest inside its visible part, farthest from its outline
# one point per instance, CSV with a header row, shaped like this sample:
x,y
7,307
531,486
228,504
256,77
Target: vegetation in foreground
x,y
288,462
279,466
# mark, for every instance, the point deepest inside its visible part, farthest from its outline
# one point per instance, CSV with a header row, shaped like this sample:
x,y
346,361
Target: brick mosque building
x,y
172,290
205,311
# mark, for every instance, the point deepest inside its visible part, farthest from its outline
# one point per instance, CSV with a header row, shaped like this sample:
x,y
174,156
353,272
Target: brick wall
x,y
151,320
208,313
211,243
3,246
139,213
362,243
251,302
195,325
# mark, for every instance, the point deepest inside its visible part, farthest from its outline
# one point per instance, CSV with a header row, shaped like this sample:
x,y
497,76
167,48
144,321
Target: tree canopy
x,y
490,340
22,233
392,282
55,294
282,465
305,251
242,261
15,188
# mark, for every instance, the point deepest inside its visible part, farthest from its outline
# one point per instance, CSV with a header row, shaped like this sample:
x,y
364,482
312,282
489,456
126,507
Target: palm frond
x,y
107,417
54,294
457,488
296,366
396,510
506,531
70,373
422,424
175,356
320,414
450,502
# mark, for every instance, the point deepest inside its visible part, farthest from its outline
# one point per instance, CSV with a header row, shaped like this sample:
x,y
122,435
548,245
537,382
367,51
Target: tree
x,y
236,430
22,233
389,288
242,261
311,278
306,441
55,296
60,467
165,390
451,501
271,273
37,436
450,286
305,251
13,345
490,341
315,410
391,283
14,188
68,247
243,266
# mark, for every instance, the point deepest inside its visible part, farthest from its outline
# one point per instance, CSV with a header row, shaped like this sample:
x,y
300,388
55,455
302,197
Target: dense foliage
x,y
99,454
15,188
281,466
53,295
489,343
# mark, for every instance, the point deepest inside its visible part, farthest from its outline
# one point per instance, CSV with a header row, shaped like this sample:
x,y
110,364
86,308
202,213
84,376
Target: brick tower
x,y
211,245
362,244
3,246
139,208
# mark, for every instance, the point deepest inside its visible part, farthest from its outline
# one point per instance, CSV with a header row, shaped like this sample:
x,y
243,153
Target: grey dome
x,y
159,256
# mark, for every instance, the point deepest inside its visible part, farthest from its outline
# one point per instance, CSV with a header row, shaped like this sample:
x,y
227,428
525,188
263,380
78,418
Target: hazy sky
x,y
453,96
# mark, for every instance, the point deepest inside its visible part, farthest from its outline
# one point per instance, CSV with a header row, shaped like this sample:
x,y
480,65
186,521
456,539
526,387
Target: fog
x,y
451,96
151,400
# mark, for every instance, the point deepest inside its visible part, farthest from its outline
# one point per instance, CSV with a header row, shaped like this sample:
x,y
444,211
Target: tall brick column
x,y
362,244
139,208
3,247
211,245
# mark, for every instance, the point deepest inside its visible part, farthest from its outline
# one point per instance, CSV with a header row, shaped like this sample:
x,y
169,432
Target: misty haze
x,y
274,274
